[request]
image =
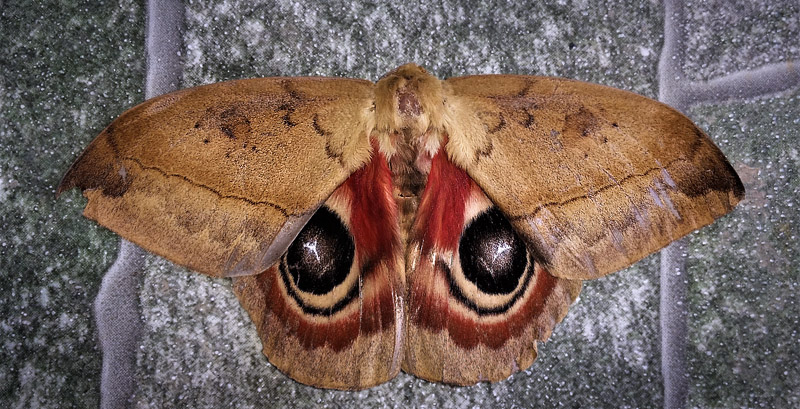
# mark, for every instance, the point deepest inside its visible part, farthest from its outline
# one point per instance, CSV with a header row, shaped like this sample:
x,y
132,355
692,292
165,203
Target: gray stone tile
x,y
725,36
744,323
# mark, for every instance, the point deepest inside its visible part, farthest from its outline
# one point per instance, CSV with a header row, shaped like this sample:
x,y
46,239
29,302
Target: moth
x,y
438,227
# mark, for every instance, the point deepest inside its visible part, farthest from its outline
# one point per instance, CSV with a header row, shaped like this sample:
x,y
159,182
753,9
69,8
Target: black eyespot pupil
x,y
492,256
320,257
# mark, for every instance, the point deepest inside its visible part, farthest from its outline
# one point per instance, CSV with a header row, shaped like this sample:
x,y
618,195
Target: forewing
x,y
220,178
595,178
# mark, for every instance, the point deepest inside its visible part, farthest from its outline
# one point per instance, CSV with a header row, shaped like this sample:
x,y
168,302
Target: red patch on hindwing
x,y
440,216
373,212
373,224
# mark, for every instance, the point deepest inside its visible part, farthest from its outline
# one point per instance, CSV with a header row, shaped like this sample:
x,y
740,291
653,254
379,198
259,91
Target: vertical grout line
x,y
119,325
672,81
118,306
166,24
673,308
674,326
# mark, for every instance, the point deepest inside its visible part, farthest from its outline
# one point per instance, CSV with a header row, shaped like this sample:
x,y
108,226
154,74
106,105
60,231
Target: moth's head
x,y
405,70
409,107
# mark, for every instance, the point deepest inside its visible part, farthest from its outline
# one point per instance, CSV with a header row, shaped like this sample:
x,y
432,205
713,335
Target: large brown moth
x,y
438,227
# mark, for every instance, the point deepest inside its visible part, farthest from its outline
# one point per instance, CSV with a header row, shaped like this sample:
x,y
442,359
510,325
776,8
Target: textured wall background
x,y
68,68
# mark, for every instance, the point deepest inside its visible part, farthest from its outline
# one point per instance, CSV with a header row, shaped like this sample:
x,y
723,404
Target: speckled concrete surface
x,y
66,70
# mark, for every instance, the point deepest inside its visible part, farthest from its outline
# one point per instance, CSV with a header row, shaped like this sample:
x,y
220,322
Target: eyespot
x,y
320,257
492,255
